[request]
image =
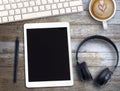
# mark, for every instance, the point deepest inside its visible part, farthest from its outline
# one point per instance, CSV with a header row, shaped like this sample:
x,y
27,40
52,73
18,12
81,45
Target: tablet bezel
x,y
47,83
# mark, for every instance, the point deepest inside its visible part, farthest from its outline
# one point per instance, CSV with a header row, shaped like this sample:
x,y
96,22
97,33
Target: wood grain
x,y
97,55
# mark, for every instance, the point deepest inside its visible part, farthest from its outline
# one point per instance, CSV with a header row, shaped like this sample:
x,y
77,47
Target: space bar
x,y
36,15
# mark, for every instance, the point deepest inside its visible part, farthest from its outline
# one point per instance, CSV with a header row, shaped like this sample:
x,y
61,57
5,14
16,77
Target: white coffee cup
x,y
104,22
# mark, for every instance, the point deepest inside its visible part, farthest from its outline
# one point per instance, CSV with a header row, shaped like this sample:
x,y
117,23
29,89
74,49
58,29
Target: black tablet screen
x,y
48,54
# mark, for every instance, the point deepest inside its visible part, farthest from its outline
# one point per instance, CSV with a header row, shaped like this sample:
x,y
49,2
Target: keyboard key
x,y
80,8
68,10
11,12
29,9
26,4
36,8
75,3
74,9
38,2
20,5
62,11
24,10
13,6
0,1
17,17
23,0
32,3
55,12
2,7
3,13
11,18
54,6
47,7
17,11
11,1
50,1
42,8
56,1
5,19
62,0
44,1
7,6
60,5
17,0
66,4
35,15
5,1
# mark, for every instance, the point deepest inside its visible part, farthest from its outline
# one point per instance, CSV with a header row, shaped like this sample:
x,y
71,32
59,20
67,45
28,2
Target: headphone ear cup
x,y
103,77
83,72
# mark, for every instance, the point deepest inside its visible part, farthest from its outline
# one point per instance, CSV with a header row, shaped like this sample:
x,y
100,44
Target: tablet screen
x,y
48,55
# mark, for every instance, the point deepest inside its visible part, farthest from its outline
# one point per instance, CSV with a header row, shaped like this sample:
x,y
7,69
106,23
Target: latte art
x,y
102,9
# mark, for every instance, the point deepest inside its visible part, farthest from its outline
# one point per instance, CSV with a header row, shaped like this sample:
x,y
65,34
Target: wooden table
x,y
97,54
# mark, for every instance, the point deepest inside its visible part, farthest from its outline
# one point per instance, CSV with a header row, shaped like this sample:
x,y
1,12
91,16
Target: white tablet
x,y
47,55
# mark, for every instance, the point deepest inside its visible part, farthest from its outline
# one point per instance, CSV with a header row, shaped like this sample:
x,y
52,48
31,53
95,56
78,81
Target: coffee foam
x,y
102,10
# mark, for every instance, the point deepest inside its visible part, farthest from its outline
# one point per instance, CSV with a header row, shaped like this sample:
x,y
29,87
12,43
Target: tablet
x,y
47,55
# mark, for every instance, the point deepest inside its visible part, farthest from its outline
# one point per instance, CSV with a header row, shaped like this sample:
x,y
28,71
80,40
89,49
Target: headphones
x,y
82,68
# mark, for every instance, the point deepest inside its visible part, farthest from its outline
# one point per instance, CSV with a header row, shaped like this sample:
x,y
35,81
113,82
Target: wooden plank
x,y
94,50
92,58
93,45
9,47
7,73
96,70
7,60
6,84
80,31
96,59
77,18
78,86
9,32
21,75
76,35
77,31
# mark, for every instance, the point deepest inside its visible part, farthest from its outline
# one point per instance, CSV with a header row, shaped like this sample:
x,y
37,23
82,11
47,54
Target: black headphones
x,y
82,68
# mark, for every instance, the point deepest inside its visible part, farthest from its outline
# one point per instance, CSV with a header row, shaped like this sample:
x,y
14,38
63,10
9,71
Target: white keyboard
x,y
17,10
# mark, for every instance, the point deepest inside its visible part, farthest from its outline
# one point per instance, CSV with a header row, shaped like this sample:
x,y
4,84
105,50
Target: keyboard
x,y
17,10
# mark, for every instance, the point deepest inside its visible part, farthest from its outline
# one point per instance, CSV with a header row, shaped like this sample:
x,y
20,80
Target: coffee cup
x,y
102,10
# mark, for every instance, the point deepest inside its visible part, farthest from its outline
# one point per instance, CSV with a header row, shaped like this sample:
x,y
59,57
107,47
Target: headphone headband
x,y
101,38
